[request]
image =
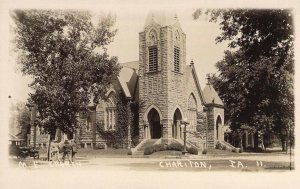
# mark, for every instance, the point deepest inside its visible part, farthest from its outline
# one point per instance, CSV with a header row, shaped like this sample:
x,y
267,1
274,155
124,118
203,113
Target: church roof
x,y
211,96
128,78
162,18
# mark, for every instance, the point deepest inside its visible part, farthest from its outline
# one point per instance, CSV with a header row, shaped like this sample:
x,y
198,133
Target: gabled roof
x,y
211,96
128,78
12,137
190,69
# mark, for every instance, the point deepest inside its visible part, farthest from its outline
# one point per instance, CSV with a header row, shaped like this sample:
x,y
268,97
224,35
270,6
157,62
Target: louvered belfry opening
x,y
176,59
153,65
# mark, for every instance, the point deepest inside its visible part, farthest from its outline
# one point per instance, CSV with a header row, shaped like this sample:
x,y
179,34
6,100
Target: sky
x,y
130,19
200,45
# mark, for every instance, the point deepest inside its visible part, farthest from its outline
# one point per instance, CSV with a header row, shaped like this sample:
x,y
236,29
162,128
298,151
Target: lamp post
x,y
184,123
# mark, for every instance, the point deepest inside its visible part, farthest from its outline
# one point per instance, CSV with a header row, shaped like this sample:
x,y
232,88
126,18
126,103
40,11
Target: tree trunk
x,y
48,149
283,143
255,141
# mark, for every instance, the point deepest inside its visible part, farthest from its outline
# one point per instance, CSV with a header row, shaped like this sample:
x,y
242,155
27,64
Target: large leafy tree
x,y
20,116
65,53
256,76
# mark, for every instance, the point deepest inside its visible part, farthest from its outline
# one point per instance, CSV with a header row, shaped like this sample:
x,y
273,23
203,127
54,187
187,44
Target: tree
x,y
255,78
66,55
20,116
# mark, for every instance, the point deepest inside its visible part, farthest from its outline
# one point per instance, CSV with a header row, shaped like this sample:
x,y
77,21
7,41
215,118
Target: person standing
x,y
67,149
74,149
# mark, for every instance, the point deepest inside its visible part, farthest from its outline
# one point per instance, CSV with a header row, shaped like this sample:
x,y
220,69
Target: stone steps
x,y
149,142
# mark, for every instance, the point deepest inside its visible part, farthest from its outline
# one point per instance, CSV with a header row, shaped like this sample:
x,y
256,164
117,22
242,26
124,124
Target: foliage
x,y
192,150
99,146
65,53
220,146
154,148
173,146
116,138
255,79
129,152
135,106
204,151
21,114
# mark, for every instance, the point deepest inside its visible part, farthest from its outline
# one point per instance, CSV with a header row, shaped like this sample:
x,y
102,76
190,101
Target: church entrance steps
x,y
189,144
228,146
149,142
139,149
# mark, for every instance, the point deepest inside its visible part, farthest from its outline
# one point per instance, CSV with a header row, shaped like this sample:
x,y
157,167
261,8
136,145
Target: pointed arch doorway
x,y
218,128
176,129
154,124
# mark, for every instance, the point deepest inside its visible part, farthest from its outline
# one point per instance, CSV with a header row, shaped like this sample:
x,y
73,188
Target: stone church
x,y
164,91
168,90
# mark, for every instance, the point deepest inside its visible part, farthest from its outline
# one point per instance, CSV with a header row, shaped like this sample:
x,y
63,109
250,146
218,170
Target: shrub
x,y
148,150
236,150
219,146
175,146
129,152
240,150
155,148
99,146
204,151
117,146
249,149
224,147
192,150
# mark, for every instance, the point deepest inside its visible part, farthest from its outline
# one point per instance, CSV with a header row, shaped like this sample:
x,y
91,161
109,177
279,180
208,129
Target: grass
x,y
220,152
91,153
166,153
110,152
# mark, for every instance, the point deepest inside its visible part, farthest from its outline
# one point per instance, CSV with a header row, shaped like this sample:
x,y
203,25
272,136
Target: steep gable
x,y
128,78
211,96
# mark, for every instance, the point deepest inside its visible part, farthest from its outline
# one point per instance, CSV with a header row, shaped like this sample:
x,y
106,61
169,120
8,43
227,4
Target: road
x,y
244,162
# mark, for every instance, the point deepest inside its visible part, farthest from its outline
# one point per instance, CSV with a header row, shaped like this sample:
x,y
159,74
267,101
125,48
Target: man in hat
x,y
67,149
74,149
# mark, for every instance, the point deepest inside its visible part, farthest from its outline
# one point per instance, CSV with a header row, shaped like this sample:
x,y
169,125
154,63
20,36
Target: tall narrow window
x,y
110,112
153,65
192,112
176,59
88,123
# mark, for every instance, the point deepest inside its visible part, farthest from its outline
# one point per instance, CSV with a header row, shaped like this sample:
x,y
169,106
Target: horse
x,y
56,149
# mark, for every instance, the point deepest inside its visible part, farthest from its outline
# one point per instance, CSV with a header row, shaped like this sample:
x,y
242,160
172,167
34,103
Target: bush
x,y
155,148
117,146
241,150
204,151
192,150
149,150
219,146
129,152
224,147
99,146
235,150
175,146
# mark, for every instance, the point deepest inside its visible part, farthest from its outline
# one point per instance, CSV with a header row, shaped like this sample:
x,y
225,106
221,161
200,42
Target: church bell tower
x,y
162,62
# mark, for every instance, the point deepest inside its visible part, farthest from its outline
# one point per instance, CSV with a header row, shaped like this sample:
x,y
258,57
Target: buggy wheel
x,y
36,155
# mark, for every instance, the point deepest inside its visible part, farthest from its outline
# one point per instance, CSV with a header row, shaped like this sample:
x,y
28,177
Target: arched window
x,y
192,112
152,50
110,112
